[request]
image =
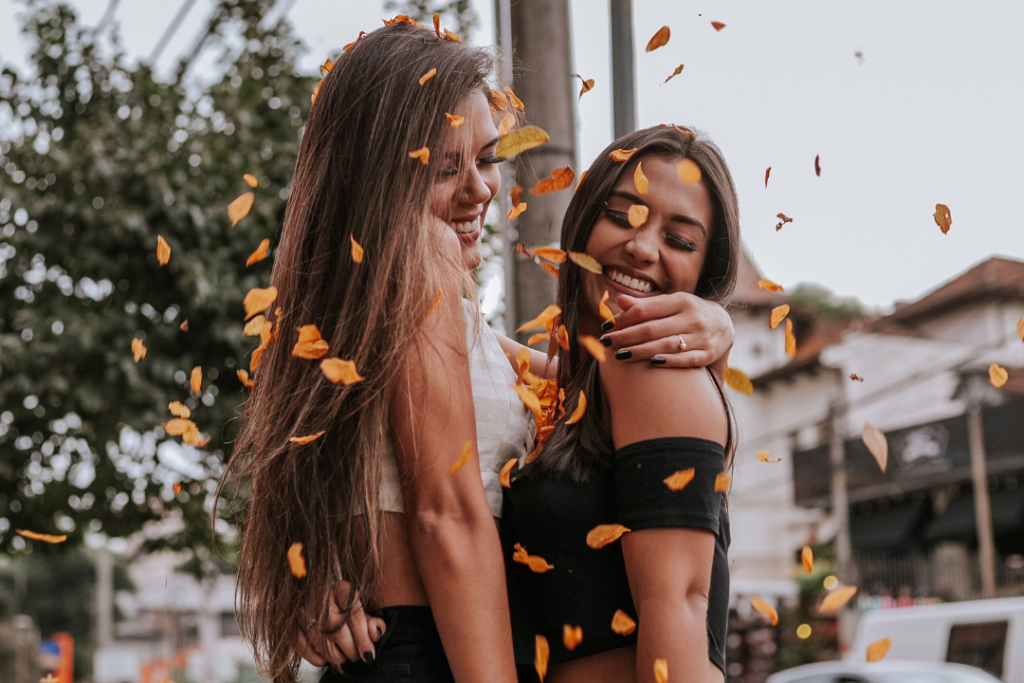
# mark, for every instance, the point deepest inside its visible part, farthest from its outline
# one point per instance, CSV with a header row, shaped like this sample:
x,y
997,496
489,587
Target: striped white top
x,y
505,428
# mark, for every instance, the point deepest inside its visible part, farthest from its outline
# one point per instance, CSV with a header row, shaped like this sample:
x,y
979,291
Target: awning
x,y
957,521
891,528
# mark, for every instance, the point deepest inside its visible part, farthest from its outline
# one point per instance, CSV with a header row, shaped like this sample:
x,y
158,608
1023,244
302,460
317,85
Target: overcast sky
x,y
933,112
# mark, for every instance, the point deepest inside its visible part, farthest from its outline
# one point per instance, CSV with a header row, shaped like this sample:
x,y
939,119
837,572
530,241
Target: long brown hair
x,y
353,179
574,449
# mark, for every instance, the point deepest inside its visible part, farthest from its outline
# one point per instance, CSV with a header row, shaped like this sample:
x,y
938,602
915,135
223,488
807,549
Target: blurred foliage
x,y
825,302
460,12
97,158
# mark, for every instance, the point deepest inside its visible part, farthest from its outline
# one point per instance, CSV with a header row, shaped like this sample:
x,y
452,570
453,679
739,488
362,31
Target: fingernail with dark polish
x,y
605,340
623,354
368,657
607,325
659,360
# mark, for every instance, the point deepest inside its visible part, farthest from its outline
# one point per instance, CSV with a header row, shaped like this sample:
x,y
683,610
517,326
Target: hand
x,y
650,328
338,641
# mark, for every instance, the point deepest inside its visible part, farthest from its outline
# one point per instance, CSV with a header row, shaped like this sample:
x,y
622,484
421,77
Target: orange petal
x,y
622,623
766,456
455,120
561,335
520,140
807,559
546,316
790,339
498,100
250,179
184,325
679,70
769,285
240,206
688,171
138,349
195,380
303,440
259,254
505,476
856,378
258,300
658,39
837,598
337,370
528,398
513,100
718,26
586,262
550,253
765,609
783,219
997,375
437,301
506,124
677,481
877,650
571,636
594,347
328,66
254,328
817,165
177,487
296,561
878,445
357,250
606,312
45,538
437,25
640,181
243,377
540,657
179,409
722,482
1020,328
688,133
465,455
178,426
427,76
310,345
588,84
943,218
737,380
560,179
637,215
622,154
536,563
516,211
550,269
779,314
581,408
603,534
660,671
163,251
767,173
452,36
539,337
423,154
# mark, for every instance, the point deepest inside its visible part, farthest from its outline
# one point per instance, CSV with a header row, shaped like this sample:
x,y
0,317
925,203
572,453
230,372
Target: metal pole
x,y
503,37
982,506
840,501
623,76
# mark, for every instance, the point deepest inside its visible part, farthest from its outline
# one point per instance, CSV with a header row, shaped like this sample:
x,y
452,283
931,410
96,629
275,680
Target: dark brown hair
x,y
574,449
353,179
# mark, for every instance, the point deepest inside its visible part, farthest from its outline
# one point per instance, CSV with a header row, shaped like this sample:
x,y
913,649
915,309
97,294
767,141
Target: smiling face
x,y
465,187
666,254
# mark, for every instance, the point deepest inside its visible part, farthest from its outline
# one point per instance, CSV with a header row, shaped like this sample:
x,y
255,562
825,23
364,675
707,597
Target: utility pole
x,y
541,34
623,72
982,506
503,39
847,571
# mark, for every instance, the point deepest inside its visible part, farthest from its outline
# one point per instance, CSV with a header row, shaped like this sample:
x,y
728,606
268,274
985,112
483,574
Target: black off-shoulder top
x,y
551,518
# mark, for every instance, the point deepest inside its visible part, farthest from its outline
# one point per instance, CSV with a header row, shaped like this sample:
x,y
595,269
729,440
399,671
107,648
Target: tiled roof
x,y
747,293
997,277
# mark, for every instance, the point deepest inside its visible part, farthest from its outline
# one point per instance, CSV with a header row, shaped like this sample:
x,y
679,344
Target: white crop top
x,y
505,428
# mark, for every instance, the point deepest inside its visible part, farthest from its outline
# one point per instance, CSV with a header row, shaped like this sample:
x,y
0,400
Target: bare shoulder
x,y
649,403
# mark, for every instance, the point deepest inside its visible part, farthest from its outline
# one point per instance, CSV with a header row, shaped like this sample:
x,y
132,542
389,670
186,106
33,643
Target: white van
x,y
988,634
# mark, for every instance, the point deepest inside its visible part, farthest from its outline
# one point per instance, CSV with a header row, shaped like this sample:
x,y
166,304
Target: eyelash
x,y
490,159
623,220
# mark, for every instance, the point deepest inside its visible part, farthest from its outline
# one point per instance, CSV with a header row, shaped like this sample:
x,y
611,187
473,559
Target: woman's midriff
x,y
614,666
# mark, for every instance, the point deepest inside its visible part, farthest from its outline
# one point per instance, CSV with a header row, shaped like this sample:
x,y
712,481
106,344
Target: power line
x,y
171,29
108,15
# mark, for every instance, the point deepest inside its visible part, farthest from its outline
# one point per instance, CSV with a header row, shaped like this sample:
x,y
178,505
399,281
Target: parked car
x,y
988,634
884,671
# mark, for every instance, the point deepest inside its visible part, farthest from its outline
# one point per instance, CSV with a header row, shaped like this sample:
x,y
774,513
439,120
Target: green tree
x,y
825,302
98,158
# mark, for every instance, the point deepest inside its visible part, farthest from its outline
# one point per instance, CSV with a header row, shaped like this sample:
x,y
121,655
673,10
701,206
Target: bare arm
x,y
538,360
452,534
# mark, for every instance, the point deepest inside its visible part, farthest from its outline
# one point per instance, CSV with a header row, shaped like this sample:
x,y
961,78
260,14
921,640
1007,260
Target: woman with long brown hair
x,y
645,458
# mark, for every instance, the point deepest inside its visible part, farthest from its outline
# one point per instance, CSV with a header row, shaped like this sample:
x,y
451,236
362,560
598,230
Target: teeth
x,y
466,227
631,282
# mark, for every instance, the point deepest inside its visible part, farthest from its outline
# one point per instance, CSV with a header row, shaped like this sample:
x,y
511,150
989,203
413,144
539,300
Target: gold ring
x,y
682,343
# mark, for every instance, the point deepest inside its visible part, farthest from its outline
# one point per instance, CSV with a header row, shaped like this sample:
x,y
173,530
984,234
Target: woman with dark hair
x,y
393,501
649,448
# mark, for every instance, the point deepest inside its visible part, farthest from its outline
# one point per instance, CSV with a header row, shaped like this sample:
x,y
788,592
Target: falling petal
x,y
310,345
622,623
520,140
465,455
997,375
251,179
594,347
688,171
259,254
138,349
296,562
423,154
505,476
837,598
338,370
586,262
677,481
163,251
581,408
427,76
357,250
455,120
737,380
637,215
540,657
603,534
659,39
807,559
765,609
877,650
679,70
240,206
779,314
571,636
195,380
943,218
640,181
258,300
303,440
770,286
722,482
718,26
560,179
45,538
621,155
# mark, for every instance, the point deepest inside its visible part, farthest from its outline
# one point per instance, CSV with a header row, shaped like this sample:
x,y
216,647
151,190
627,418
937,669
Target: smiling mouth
x,y
642,286
465,227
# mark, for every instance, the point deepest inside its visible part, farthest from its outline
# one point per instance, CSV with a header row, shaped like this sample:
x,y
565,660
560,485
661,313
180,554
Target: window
x,y
981,645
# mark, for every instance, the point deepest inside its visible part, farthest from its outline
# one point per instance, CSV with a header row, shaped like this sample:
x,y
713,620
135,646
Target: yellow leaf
x,y
779,314
337,370
790,339
427,76
540,657
240,206
179,409
837,598
586,262
254,327
546,316
622,623
877,650
560,179
997,375
661,671
581,408
520,140
296,561
688,171
640,181
594,347
621,155
178,426
259,254
770,286
513,100
677,481
437,301
309,438
455,120
943,218
807,559
243,377
505,476
465,455
250,179
637,215
878,445
603,534
163,251
536,563
357,250
718,26
195,380
45,538
765,609
138,349
606,312
737,380
506,124
310,345
423,154
571,636
679,70
258,300
658,39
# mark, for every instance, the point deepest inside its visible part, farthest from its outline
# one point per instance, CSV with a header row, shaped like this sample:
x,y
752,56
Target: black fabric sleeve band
x,y
645,501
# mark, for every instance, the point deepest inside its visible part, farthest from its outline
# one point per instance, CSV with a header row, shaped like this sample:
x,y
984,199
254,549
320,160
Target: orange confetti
x,y
138,349
454,120
177,487
240,206
250,179
296,561
506,124
817,165
684,132
547,315
259,254
357,250
856,378
539,337
498,100
452,36
427,76
783,219
718,26
163,251
196,379
766,456
243,377
517,210
659,39
943,218
505,476
529,398
423,154
586,262
550,269
45,538
640,181
560,179
790,339
337,370
581,408
621,155
770,286
765,609
520,140
603,309
677,481
537,564
310,345
737,380
540,658
997,375
767,173
588,85
779,314
1020,328
688,171
874,439
309,438
179,409
513,100
326,68
679,70
622,623
807,559
661,671
258,300
254,328
561,335
551,254
184,325
437,25
637,215
437,301
346,49
722,482
179,427
594,347
571,636
837,598
603,534
465,455
877,650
